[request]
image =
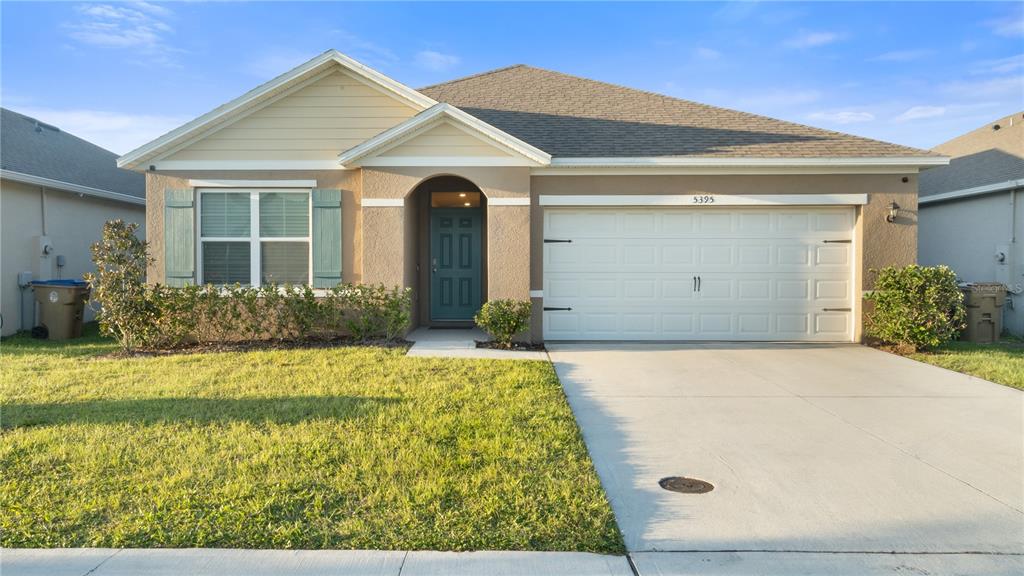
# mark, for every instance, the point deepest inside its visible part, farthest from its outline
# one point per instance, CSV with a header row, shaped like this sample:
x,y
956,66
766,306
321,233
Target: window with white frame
x,y
254,236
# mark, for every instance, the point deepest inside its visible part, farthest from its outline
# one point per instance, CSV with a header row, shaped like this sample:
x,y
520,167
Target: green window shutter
x,y
179,237
326,237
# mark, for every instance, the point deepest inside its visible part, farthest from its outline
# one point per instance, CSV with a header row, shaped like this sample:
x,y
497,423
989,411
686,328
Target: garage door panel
x,y
765,273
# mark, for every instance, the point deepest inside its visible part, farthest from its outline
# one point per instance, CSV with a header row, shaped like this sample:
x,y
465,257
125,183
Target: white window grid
x,y
255,239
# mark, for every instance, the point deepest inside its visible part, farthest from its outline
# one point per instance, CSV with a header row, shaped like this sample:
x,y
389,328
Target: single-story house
x,y
621,214
56,192
972,211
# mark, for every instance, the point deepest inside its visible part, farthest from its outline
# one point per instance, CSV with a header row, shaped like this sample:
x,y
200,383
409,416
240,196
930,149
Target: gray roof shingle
x,y
569,116
32,147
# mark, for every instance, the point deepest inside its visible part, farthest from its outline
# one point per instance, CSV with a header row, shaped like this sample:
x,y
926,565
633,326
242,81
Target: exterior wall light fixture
x,y
894,211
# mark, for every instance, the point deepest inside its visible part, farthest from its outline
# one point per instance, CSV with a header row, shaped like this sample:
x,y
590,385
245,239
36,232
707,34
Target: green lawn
x,y
1002,362
308,448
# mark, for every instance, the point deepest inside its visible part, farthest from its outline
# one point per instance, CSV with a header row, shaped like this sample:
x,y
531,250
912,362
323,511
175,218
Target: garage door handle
x,y
552,308
554,241
696,283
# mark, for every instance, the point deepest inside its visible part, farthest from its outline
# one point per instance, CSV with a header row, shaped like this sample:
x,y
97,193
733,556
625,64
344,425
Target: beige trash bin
x,y
61,305
984,302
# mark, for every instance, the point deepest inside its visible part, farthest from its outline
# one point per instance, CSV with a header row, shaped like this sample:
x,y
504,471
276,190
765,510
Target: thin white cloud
x,y
436,61
139,26
1011,26
1008,86
841,116
705,53
814,39
1006,65
920,113
116,131
362,49
903,55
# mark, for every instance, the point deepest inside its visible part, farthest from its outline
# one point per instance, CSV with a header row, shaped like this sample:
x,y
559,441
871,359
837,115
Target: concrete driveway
x,y
811,448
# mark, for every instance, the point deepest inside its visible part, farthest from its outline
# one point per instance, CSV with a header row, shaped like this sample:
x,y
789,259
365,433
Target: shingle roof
x,y
32,147
569,116
981,157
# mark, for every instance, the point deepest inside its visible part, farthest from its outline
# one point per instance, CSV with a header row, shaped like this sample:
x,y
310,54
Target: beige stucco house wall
x,y
71,222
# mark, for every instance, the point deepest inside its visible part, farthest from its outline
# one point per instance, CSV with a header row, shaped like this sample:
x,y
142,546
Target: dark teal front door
x,y
455,262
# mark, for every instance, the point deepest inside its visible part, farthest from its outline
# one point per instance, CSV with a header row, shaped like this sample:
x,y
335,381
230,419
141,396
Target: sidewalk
x,y
220,562
461,343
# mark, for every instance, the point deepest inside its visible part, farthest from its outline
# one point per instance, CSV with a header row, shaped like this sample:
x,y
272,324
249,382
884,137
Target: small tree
x,y
503,319
119,285
916,306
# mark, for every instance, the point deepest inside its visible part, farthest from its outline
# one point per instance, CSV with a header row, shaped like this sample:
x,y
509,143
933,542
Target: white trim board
x,y
968,192
714,161
262,165
69,187
706,200
382,202
536,293
252,183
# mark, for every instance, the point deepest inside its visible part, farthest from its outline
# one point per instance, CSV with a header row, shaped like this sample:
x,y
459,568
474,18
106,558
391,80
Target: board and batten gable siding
x,y
316,122
445,140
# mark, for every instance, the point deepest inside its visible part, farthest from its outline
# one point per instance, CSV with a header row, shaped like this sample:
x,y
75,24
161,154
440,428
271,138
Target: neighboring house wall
x,y
72,223
967,234
312,123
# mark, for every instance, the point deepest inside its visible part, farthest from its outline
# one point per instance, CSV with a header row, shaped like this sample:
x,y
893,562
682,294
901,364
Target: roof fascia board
x,y
429,119
969,192
414,98
69,187
917,161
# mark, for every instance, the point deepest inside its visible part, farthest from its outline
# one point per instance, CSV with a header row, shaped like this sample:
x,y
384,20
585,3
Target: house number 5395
x,y
704,199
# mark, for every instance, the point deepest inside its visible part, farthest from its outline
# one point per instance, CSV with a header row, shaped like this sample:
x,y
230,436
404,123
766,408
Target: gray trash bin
x,y
984,302
61,306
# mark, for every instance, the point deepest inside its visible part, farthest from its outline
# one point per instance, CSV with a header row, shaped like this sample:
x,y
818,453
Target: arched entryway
x,y
451,250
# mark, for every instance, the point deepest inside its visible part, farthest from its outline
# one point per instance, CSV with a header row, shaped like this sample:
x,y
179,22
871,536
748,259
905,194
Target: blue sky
x,y
122,73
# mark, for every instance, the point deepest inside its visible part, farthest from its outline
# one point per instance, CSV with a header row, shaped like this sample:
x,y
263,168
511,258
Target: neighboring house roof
x,y
985,160
37,153
568,116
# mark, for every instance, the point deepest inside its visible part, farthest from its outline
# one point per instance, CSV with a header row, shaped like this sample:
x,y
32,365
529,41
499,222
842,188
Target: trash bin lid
x,y
62,283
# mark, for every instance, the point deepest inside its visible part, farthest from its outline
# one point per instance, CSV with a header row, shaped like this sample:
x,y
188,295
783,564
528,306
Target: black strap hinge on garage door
x,y
838,241
553,241
553,308
837,309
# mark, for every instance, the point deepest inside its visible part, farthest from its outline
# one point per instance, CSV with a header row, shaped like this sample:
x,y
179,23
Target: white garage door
x,y
708,273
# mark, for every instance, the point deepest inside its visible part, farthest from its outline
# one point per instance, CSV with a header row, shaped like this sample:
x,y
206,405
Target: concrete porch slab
x,y
461,343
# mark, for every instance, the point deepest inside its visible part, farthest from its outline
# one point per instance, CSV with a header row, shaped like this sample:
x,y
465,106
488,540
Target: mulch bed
x,y
253,346
519,346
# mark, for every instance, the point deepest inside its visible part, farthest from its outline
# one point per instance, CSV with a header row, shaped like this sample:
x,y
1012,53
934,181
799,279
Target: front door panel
x,y
455,263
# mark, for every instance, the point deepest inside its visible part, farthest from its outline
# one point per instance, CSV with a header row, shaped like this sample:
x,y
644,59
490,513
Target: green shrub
x,y
503,319
916,306
126,312
140,316
378,311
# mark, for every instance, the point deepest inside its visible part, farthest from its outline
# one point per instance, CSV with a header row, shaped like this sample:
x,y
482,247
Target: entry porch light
x,y
894,211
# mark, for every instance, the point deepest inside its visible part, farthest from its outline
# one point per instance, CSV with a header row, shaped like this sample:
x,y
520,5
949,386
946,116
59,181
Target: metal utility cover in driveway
x,y
823,448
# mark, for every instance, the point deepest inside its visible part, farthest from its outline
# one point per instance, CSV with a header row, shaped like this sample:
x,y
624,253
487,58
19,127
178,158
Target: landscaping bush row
x,y
141,316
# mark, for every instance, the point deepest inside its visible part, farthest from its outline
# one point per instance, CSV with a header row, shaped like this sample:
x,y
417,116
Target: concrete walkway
x,y
214,562
461,343
836,450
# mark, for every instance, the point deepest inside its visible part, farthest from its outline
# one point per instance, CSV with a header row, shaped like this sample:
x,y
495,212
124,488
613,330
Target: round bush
x,y
916,306
503,319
